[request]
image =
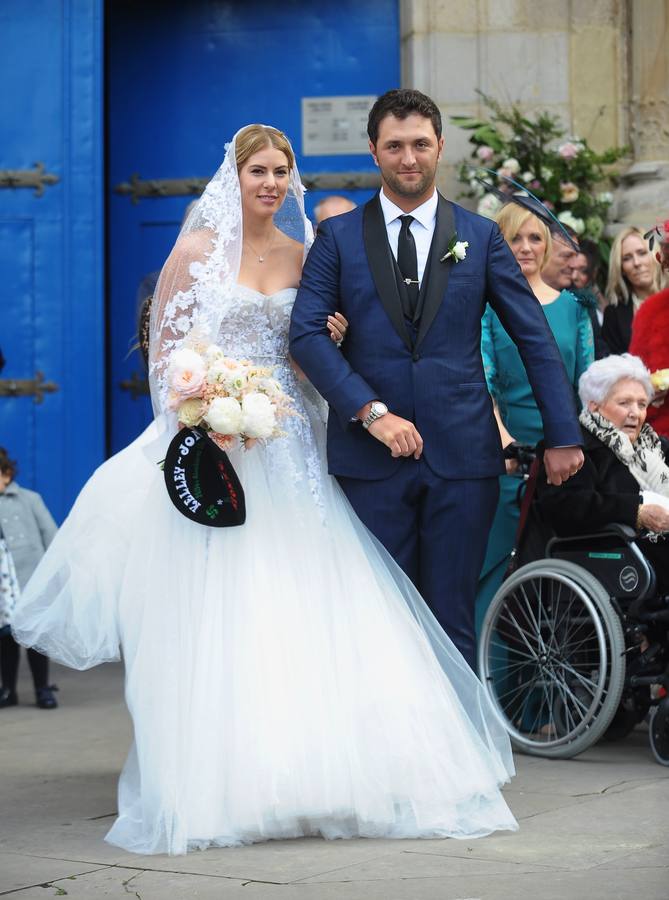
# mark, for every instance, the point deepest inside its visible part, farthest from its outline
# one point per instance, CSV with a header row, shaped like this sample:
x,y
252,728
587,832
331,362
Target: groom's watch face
x,y
407,152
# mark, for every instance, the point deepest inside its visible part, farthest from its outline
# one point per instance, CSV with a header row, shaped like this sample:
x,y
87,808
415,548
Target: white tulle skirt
x,y
284,678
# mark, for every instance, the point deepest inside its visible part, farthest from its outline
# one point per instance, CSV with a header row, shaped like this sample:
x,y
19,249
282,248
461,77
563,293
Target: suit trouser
x,y
436,529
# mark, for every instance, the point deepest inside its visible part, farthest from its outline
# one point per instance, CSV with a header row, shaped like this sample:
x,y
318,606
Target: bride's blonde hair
x,y
254,138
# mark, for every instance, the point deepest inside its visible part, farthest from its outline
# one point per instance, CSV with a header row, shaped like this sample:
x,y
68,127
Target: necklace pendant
x,y
261,259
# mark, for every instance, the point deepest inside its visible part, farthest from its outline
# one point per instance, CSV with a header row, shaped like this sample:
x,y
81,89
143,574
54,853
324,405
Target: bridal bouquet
x,y
230,398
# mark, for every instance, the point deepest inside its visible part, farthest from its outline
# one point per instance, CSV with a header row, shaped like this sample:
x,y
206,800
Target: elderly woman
x,y
634,274
625,477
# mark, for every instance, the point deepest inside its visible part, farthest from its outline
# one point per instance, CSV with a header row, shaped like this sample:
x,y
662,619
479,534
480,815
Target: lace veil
x,y
197,284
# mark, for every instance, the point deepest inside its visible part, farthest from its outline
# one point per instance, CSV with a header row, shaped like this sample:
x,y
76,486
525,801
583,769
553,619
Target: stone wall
x,y
601,65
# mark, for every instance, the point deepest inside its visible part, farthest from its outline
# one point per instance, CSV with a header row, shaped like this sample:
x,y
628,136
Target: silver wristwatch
x,y
377,410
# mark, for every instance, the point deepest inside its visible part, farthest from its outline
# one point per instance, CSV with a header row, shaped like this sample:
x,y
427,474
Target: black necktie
x,y
408,262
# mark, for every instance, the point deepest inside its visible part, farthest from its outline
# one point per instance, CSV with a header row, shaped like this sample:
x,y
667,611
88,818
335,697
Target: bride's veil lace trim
x,y
197,284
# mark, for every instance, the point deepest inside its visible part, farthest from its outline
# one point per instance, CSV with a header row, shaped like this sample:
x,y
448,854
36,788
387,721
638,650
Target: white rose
x,y
271,387
512,165
186,360
527,177
224,415
259,418
568,218
190,412
212,354
489,206
605,197
460,249
238,382
217,372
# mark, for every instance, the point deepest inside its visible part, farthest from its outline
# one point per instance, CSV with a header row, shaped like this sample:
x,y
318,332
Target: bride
x,y
284,678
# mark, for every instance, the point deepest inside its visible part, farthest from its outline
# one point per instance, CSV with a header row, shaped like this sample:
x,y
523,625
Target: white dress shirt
x,y
422,227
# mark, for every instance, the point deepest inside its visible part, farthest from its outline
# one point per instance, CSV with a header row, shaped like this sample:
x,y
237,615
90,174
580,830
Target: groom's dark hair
x,y
401,103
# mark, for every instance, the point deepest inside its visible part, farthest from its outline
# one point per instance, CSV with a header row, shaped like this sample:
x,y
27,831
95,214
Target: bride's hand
x,y
337,326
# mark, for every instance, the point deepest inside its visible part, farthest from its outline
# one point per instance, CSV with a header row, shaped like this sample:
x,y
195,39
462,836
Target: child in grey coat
x,y
26,530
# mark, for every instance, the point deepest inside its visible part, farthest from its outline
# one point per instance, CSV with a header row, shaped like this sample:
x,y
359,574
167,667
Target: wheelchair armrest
x,y
626,532
614,529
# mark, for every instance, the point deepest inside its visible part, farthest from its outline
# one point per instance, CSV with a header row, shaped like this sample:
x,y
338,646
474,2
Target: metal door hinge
x,y
137,189
28,178
137,384
35,387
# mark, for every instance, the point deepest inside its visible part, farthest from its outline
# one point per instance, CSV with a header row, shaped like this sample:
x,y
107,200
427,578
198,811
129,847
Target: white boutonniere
x,y
456,251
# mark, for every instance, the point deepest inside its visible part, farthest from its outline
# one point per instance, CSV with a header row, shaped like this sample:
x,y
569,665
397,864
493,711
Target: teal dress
x,y
507,382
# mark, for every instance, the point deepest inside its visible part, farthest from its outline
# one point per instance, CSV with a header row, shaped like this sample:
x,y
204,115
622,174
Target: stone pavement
x,y
593,828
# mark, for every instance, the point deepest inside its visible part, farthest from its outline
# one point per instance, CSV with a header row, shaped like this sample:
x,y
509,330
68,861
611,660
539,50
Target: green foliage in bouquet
x,y
567,174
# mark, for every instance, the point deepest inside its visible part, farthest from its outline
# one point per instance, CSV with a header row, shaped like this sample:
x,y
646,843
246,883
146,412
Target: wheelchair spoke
x,y
567,611
510,638
521,634
531,617
517,689
505,666
568,724
575,700
587,683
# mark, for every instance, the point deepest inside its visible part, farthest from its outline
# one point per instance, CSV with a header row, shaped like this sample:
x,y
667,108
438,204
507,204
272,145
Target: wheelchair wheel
x,y
658,732
552,658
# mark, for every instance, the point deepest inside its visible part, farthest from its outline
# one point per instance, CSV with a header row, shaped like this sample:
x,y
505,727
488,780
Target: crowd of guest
x,y
592,317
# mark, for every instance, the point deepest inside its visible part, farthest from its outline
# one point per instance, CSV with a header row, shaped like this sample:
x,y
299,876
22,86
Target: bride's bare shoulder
x,y
289,244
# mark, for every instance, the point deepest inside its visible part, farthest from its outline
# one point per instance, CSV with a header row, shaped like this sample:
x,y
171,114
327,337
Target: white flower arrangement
x,y
230,398
568,218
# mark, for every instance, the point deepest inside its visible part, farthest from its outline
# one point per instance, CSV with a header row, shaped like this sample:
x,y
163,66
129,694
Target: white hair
x,y
599,379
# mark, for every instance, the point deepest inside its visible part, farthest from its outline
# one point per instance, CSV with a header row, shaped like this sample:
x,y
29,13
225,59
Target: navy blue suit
x,y
433,515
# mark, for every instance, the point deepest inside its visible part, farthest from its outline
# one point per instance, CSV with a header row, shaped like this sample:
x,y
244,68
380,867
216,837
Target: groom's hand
x,y
399,435
561,463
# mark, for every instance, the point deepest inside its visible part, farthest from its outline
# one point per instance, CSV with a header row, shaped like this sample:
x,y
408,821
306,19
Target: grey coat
x,y
27,526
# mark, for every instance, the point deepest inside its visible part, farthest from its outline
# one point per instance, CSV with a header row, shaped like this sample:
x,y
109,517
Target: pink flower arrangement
x,y
485,153
570,149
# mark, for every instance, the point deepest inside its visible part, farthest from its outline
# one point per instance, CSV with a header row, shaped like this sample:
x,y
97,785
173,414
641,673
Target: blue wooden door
x,y
182,78
51,243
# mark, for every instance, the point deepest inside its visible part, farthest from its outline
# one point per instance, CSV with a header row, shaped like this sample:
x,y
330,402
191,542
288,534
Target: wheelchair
x,y
574,646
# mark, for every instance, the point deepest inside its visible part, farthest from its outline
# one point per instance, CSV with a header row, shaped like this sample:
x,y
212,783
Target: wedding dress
x,y
284,677
281,675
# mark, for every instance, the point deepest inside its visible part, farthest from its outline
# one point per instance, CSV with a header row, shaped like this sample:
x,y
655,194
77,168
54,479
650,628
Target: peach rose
x,y
186,373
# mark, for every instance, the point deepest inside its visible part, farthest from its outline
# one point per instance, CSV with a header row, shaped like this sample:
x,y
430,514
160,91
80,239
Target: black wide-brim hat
x,y
202,482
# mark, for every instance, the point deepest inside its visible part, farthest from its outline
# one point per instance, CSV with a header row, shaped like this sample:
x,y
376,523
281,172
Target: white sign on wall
x,y
335,125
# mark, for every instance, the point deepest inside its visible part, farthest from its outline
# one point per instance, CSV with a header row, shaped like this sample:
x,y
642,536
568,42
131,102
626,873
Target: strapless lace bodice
x,y
256,327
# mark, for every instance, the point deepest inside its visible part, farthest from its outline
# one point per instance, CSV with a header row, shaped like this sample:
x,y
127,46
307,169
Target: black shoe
x,y
44,697
8,697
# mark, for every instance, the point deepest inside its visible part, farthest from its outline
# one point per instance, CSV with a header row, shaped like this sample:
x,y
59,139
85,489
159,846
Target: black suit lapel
x,y
381,264
435,278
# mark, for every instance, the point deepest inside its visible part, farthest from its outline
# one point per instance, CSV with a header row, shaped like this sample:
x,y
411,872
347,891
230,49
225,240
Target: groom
x,y
412,438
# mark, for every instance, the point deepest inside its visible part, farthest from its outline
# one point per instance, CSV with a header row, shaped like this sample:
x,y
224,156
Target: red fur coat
x,y
650,341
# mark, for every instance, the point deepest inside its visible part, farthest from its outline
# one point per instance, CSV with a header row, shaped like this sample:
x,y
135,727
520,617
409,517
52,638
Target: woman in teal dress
x,y
519,418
